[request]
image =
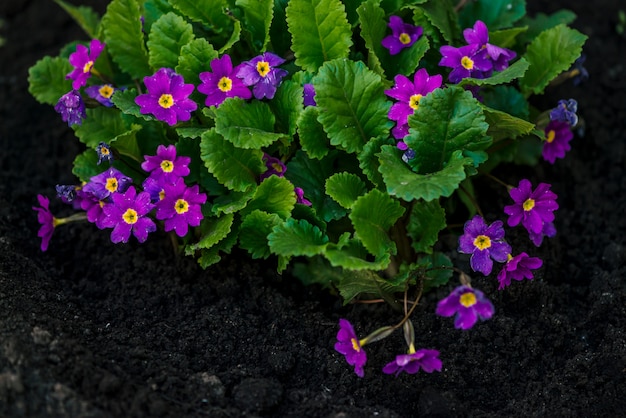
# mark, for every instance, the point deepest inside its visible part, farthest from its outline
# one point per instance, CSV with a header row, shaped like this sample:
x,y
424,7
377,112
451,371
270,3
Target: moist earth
x,y
93,329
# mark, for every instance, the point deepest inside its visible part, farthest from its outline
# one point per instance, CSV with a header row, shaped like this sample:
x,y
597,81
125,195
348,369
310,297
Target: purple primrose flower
x,y
71,107
108,182
411,363
222,83
127,214
468,304
180,207
558,137
565,111
518,268
300,197
479,35
532,208
466,61
403,35
275,167
548,230
484,242
167,98
578,72
102,93
47,221
92,206
83,60
261,72
309,95
351,347
104,153
155,189
165,166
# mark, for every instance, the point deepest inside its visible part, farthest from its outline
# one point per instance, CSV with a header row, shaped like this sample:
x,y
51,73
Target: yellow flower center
x,y
104,151
106,91
467,63
529,204
550,136
404,38
130,216
111,184
468,299
355,344
162,195
167,166
482,242
277,167
263,67
414,101
166,101
225,84
87,67
509,257
181,206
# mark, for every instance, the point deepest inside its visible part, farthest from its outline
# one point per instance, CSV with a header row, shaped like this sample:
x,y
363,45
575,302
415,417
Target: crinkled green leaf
x,y
208,12
496,14
425,222
280,43
354,256
190,131
246,125
549,54
366,282
209,256
85,16
195,58
287,106
317,270
213,230
233,39
441,15
46,79
373,30
236,168
408,185
231,202
101,125
506,38
86,165
125,101
257,18
540,22
504,125
124,39
438,270
253,232
345,188
352,104
167,36
311,133
126,143
369,162
320,32
446,120
407,61
274,195
516,70
373,214
297,237
507,99
153,10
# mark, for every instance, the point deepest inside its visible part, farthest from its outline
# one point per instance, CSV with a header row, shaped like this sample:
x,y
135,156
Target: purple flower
x,y
72,108
309,95
484,242
47,221
479,35
548,231
155,189
411,363
167,98
300,197
465,61
92,205
350,346
408,155
468,304
180,207
532,208
565,111
165,166
410,93
108,182
578,72
261,73
102,93
400,131
558,137
275,167
83,60
403,35
518,268
127,214
104,153
222,83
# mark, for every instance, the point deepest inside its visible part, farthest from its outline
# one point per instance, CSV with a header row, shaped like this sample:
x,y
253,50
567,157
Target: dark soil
x,y
93,329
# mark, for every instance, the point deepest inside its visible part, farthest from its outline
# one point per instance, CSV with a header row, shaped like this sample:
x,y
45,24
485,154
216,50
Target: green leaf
x,y
257,17
46,79
373,214
297,237
352,104
274,195
407,185
234,37
125,101
320,32
503,125
101,125
505,38
551,53
366,282
236,168
85,16
373,30
86,165
195,58
280,43
446,120
124,38
369,162
208,12
167,36
507,99
541,22
345,188
253,232
232,202
516,70
354,256
210,256
438,270
425,222
407,61
311,133
213,230
246,125
441,15
287,106
496,14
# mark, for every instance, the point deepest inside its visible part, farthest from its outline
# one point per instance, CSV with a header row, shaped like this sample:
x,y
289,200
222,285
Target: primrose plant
x,y
337,138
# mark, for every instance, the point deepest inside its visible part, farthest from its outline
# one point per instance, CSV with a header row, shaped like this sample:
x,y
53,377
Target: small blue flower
x,y
72,108
565,111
